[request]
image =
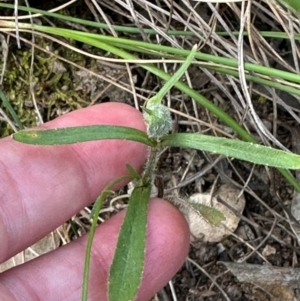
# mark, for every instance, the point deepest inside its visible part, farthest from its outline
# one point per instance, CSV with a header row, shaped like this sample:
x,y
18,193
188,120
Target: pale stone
x,y
200,228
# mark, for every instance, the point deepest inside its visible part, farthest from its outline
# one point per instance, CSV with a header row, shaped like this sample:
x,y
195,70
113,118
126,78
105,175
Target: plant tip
x,y
158,120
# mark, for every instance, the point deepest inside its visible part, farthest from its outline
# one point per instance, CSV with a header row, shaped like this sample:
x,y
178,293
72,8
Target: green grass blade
x,y
159,50
180,85
139,46
79,36
127,268
97,41
133,173
251,152
134,29
158,72
128,29
224,70
10,109
294,5
174,79
81,134
259,80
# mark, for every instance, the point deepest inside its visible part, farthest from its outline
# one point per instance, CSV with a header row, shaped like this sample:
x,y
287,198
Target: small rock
x,y
268,250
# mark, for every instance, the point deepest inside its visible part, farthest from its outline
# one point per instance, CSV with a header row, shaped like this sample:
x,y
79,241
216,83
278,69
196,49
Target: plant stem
x,y
151,164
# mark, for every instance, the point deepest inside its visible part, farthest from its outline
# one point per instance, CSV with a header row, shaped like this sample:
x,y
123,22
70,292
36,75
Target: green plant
x,y
125,276
112,45
136,217
294,5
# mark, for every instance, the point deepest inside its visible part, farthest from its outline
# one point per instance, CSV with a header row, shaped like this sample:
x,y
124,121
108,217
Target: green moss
x,y
53,82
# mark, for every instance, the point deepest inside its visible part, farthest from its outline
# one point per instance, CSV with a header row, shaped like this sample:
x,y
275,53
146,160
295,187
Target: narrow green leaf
x,y
128,264
10,109
81,134
294,5
133,173
101,198
211,215
247,151
157,99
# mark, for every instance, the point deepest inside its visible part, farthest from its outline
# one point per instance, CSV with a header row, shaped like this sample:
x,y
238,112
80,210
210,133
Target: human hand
x,y
43,186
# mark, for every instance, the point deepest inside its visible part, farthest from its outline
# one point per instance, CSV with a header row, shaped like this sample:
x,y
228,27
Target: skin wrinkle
x,y
83,178
7,224
23,290
26,281
166,232
6,294
115,165
98,263
26,212
79,155
89,177
109,168
72,266
98,256
98,270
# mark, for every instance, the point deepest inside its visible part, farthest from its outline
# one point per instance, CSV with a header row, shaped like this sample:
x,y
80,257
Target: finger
x,y
58,275
43,186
